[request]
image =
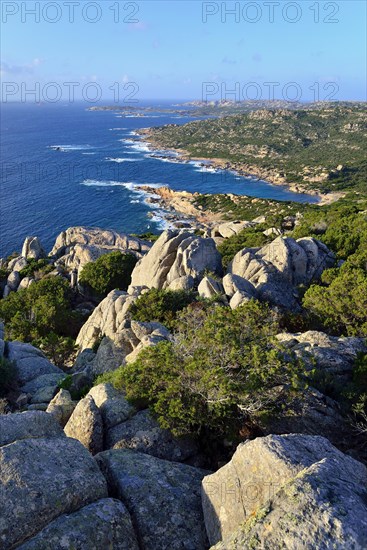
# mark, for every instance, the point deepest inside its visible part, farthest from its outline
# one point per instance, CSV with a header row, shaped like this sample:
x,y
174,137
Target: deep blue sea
x,y
90,179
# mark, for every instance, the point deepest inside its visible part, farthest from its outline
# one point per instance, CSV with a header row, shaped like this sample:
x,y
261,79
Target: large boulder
x,y
32,249
287,492
85,424
30,362
142,433
112,404
229,229
210,288
13,280
77,246
276,269
176,256
27,425
61,407
101,525
333,355
40,479
162,497
108,318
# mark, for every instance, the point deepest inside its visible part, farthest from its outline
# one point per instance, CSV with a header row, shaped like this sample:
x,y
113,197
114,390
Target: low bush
x,y
221,369
44,307
109,272
161,306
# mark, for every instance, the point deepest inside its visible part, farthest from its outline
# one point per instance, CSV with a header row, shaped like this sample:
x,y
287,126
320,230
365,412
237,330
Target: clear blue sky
x,y
171,50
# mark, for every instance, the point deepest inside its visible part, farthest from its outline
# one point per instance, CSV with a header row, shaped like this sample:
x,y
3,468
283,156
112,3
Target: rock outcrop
x,y
40,479
112,404
276,269
27,425
163,498
85,424
335,356
101,525
176,260
77,246
121,339
142,433
108,318
287,492
32,249
61,407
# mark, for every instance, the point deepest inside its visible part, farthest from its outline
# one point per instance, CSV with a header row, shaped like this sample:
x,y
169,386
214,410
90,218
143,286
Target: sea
x,y
64,165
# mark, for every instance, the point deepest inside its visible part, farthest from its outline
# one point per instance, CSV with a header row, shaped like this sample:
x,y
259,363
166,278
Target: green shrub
x,y
110,271
341,306
7,375
42,308
222,368
36,267
57,348
161,306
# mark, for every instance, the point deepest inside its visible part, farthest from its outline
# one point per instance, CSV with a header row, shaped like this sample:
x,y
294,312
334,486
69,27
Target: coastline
x,y
270,176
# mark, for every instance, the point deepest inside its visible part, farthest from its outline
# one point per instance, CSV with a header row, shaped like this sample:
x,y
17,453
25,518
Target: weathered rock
x,y
272,231
312,413
330,492
17,264
233,283
13,280
240,298
148,334
40,479
25,283
112,404
333,355
44,395
294,491
85,424
32,249
78,246
61,407
111,354
101,525
276,269
142,433
43,381
30,362
173,256
32,424
107,319
228,229
209,288
163,498
186,282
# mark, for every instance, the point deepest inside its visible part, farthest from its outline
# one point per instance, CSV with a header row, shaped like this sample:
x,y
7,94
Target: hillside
x,y
315,150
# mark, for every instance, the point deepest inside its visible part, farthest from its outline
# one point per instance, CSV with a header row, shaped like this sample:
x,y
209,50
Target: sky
x,y
132,51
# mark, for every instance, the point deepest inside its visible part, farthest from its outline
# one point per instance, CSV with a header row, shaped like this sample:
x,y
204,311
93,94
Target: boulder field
x,y
98,473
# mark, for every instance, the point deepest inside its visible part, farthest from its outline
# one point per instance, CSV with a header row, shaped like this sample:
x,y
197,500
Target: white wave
x,y
117,129
133,201
141,147
66,148
105,183
122,159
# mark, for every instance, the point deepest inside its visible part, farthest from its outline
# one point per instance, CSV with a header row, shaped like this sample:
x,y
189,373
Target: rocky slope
x,y
97,472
